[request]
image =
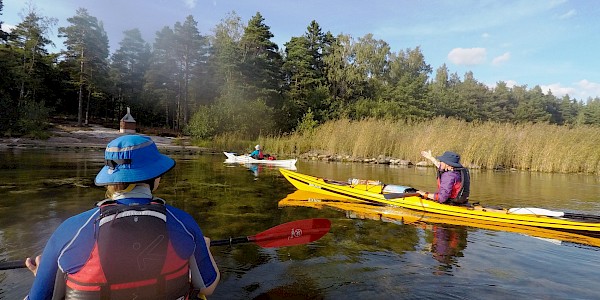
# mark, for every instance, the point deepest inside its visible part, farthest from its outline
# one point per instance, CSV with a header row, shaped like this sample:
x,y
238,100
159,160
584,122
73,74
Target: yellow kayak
x,y
355,210
374,193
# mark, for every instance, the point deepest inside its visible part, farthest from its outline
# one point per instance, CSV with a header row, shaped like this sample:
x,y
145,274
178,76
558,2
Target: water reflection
x,y
428,220
257,169
447,245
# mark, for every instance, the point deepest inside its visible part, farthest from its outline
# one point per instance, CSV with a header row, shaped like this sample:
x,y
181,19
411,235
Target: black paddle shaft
x,y
230,241
16,264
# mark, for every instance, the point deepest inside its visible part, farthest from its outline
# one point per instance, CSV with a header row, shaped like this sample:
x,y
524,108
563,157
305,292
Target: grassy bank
x,y
535,147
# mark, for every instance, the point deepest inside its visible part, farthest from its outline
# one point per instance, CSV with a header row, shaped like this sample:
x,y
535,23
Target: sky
x,y
548,43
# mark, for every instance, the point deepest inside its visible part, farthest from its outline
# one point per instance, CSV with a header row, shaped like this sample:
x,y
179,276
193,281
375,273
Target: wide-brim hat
x,y
450,158
132,158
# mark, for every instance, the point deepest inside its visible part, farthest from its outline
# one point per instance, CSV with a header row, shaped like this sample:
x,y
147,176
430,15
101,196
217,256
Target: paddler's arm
x,y
427,154
211,288
205,278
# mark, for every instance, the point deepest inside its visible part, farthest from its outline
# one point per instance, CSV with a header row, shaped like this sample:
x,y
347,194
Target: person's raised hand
x,y
427,154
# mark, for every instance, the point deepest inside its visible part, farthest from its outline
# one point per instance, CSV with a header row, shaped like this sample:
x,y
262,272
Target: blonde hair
x,y
112,189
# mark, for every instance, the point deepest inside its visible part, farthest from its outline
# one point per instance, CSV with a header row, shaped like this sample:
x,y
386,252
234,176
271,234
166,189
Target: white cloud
x,y
568,14
190,3
581,90
559,90
485,35
7,27
467,56
510,83
501,59
592,89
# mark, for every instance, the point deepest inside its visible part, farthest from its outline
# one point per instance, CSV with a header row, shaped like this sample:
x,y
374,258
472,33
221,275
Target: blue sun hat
x,y
132,158
450,158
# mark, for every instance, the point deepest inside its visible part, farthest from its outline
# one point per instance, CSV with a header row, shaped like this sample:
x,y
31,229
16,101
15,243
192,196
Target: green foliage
x,y
87,47
308,123
33,119
591,113
231,114
261,63
203,124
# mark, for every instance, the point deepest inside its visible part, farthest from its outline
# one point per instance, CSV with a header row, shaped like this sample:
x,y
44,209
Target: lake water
x,y
359,258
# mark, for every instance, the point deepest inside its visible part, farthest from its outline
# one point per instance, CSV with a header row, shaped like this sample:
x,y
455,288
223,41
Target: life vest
x,y
460,190
132,257
260,155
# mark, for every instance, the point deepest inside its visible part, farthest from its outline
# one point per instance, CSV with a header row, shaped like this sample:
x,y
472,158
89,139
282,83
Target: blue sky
x,y
551,43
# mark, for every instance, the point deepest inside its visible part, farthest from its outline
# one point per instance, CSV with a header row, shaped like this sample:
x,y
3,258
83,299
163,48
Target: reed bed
x,y
534,147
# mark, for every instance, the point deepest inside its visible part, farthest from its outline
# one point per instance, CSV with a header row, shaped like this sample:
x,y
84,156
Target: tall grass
x,y
535,147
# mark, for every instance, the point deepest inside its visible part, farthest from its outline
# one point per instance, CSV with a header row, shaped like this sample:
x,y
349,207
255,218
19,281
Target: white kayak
x,y
245,159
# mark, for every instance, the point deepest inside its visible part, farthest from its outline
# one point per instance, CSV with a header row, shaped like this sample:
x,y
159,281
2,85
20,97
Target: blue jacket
x,y
70,246
257,154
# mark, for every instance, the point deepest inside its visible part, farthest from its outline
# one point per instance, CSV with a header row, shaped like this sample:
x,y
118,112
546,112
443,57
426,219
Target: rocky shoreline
x,y
94,137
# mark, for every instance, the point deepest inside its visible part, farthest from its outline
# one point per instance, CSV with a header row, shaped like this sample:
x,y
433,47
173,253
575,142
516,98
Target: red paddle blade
x,y
292,233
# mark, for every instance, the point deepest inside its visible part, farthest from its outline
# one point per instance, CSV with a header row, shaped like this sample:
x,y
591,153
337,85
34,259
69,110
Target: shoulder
x,y
456,174
82,218
451,175
80,223
180,215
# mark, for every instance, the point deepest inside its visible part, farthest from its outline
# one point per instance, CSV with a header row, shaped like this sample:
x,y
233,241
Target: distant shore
x,y
70,137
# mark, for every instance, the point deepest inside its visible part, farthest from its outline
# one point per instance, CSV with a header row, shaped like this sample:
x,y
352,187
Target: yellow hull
x,y
373,195
356,210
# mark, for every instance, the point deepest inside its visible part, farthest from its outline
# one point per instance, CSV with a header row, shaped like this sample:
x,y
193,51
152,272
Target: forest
x,y
238,81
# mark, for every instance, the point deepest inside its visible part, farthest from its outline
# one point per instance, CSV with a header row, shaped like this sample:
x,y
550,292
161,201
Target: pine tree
x,y
261,63
87,45
129,65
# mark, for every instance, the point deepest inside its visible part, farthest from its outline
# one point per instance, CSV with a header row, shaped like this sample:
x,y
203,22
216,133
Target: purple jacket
x,y
449,184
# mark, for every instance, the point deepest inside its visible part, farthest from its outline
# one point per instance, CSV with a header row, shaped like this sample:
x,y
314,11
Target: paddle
x,y
288,234
551,213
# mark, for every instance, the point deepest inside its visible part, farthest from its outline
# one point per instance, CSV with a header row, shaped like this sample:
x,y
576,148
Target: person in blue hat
x,y
132,245
453,180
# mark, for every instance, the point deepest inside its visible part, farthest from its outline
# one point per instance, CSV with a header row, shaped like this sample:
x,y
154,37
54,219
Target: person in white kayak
x,y
258,154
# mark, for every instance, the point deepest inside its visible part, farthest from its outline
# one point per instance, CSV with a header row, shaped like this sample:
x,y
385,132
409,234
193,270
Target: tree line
x,y
237,80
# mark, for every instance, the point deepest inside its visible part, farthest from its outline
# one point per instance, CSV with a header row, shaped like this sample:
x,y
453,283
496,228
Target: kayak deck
x,y
376,196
